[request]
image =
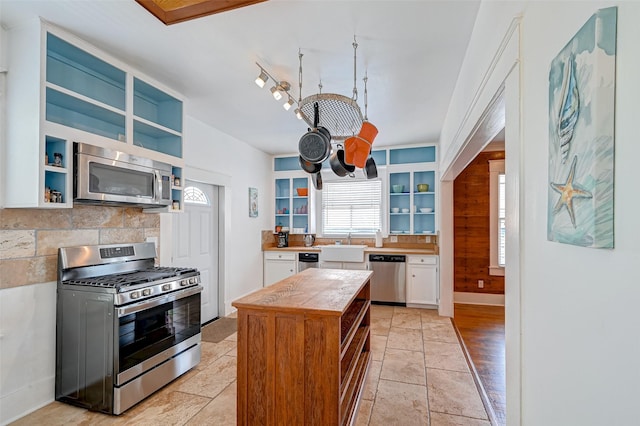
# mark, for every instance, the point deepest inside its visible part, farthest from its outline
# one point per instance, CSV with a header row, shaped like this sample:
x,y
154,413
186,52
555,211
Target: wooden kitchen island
x,y
304,349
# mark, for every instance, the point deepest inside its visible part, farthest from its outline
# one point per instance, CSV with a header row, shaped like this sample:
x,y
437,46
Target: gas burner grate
x,y
131,278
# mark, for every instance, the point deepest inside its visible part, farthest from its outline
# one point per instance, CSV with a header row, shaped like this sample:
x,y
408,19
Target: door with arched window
x,y
195,236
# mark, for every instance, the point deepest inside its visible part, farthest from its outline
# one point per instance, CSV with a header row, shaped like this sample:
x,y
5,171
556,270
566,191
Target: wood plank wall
x,y
471,227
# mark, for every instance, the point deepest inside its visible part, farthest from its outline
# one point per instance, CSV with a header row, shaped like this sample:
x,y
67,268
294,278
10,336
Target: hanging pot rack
x,y
339,114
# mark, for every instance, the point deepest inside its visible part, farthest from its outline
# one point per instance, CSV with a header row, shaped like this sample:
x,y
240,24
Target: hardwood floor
x,y
482,330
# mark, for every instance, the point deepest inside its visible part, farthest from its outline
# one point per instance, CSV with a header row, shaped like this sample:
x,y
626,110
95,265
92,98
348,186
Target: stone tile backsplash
x,y
30,238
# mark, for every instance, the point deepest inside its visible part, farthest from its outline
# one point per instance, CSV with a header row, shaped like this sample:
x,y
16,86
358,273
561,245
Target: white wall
x,y
209,149
480,76
581,343
579,336
27,346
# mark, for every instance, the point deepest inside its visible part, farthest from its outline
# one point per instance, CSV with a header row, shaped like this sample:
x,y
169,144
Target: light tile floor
x,y
418,376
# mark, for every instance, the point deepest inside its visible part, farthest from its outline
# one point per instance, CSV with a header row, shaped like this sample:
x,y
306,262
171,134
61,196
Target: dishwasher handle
x,y
395,258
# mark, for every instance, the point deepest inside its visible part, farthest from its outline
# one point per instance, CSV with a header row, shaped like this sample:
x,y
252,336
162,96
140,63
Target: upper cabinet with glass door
x,y
65,90
413,190
292,200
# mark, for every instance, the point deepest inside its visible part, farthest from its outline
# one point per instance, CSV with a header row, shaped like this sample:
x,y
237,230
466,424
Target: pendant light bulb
x,y
287,105
262,79
298,113
276,93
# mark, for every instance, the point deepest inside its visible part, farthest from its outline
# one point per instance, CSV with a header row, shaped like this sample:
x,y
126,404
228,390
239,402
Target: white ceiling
x,y
411,50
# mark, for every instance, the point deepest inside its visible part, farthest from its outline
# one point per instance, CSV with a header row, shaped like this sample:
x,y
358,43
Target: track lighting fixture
x,y
282,88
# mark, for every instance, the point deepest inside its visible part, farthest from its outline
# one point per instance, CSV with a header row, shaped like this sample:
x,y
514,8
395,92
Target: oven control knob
x,y
135,294
146,292
184,282
192,280
166,287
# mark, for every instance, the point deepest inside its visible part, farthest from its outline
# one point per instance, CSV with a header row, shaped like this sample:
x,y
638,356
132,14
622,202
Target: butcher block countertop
x,y
368,250
327,291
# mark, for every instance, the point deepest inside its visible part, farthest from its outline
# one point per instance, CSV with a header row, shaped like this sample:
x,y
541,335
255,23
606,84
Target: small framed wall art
x,y
253,202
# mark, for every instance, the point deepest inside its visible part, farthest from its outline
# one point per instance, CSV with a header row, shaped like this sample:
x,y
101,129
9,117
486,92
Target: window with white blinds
x,y
351,207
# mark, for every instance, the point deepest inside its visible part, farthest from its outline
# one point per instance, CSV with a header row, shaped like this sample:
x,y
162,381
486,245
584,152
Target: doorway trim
x,y
224,212
497,101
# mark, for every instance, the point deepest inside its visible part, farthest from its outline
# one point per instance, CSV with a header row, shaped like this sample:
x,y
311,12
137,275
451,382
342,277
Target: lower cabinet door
x,y
276,270
422,284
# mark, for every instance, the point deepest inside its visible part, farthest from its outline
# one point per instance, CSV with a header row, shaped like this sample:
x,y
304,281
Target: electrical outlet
x,y
427,239
393,239
480,283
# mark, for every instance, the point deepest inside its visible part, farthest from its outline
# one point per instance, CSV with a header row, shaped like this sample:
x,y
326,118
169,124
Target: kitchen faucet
x,y
349,239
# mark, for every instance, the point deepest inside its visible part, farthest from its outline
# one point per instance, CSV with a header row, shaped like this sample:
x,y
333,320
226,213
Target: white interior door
x,y
195,236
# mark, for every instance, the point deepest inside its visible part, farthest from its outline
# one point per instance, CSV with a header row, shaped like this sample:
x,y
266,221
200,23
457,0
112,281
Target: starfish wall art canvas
x,y
581,135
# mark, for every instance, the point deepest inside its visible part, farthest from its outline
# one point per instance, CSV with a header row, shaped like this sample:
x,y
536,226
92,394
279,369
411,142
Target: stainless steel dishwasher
x,y
388,283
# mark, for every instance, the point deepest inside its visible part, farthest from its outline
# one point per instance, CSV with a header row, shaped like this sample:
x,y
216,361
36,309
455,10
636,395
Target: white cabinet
x,y
422,280
278,266
60,89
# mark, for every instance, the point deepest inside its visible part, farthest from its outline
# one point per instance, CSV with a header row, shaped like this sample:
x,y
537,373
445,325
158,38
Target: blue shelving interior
x,y
53,146
176,193
73,112
300,221
78,71
299,183
428,177
380,157
150,137
282,188
56,182
156,106
282,220
399,223
286,164
300,203
424,223
425,154
282,202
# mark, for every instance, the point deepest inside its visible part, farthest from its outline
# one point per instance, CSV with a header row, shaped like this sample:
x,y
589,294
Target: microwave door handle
x,y
157,188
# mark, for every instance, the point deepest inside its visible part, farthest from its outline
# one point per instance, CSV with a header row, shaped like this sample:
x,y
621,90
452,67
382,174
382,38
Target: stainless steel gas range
x,y
125,328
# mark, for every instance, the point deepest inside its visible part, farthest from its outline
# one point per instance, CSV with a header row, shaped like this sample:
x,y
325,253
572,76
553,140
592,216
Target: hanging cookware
x,y
308,166
370,169
338,165
315,145
316,178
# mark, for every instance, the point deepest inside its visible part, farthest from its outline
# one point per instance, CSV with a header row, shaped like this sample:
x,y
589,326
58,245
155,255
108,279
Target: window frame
x,y
496,168
359,176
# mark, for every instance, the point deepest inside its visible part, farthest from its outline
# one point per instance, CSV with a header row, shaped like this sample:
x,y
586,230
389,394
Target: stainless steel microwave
x,y
106,176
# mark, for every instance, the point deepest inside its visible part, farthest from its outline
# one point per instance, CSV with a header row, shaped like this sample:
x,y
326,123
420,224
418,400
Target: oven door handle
x,y
157,301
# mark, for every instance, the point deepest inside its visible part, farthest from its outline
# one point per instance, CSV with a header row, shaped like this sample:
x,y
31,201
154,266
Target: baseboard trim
x,y
478,298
